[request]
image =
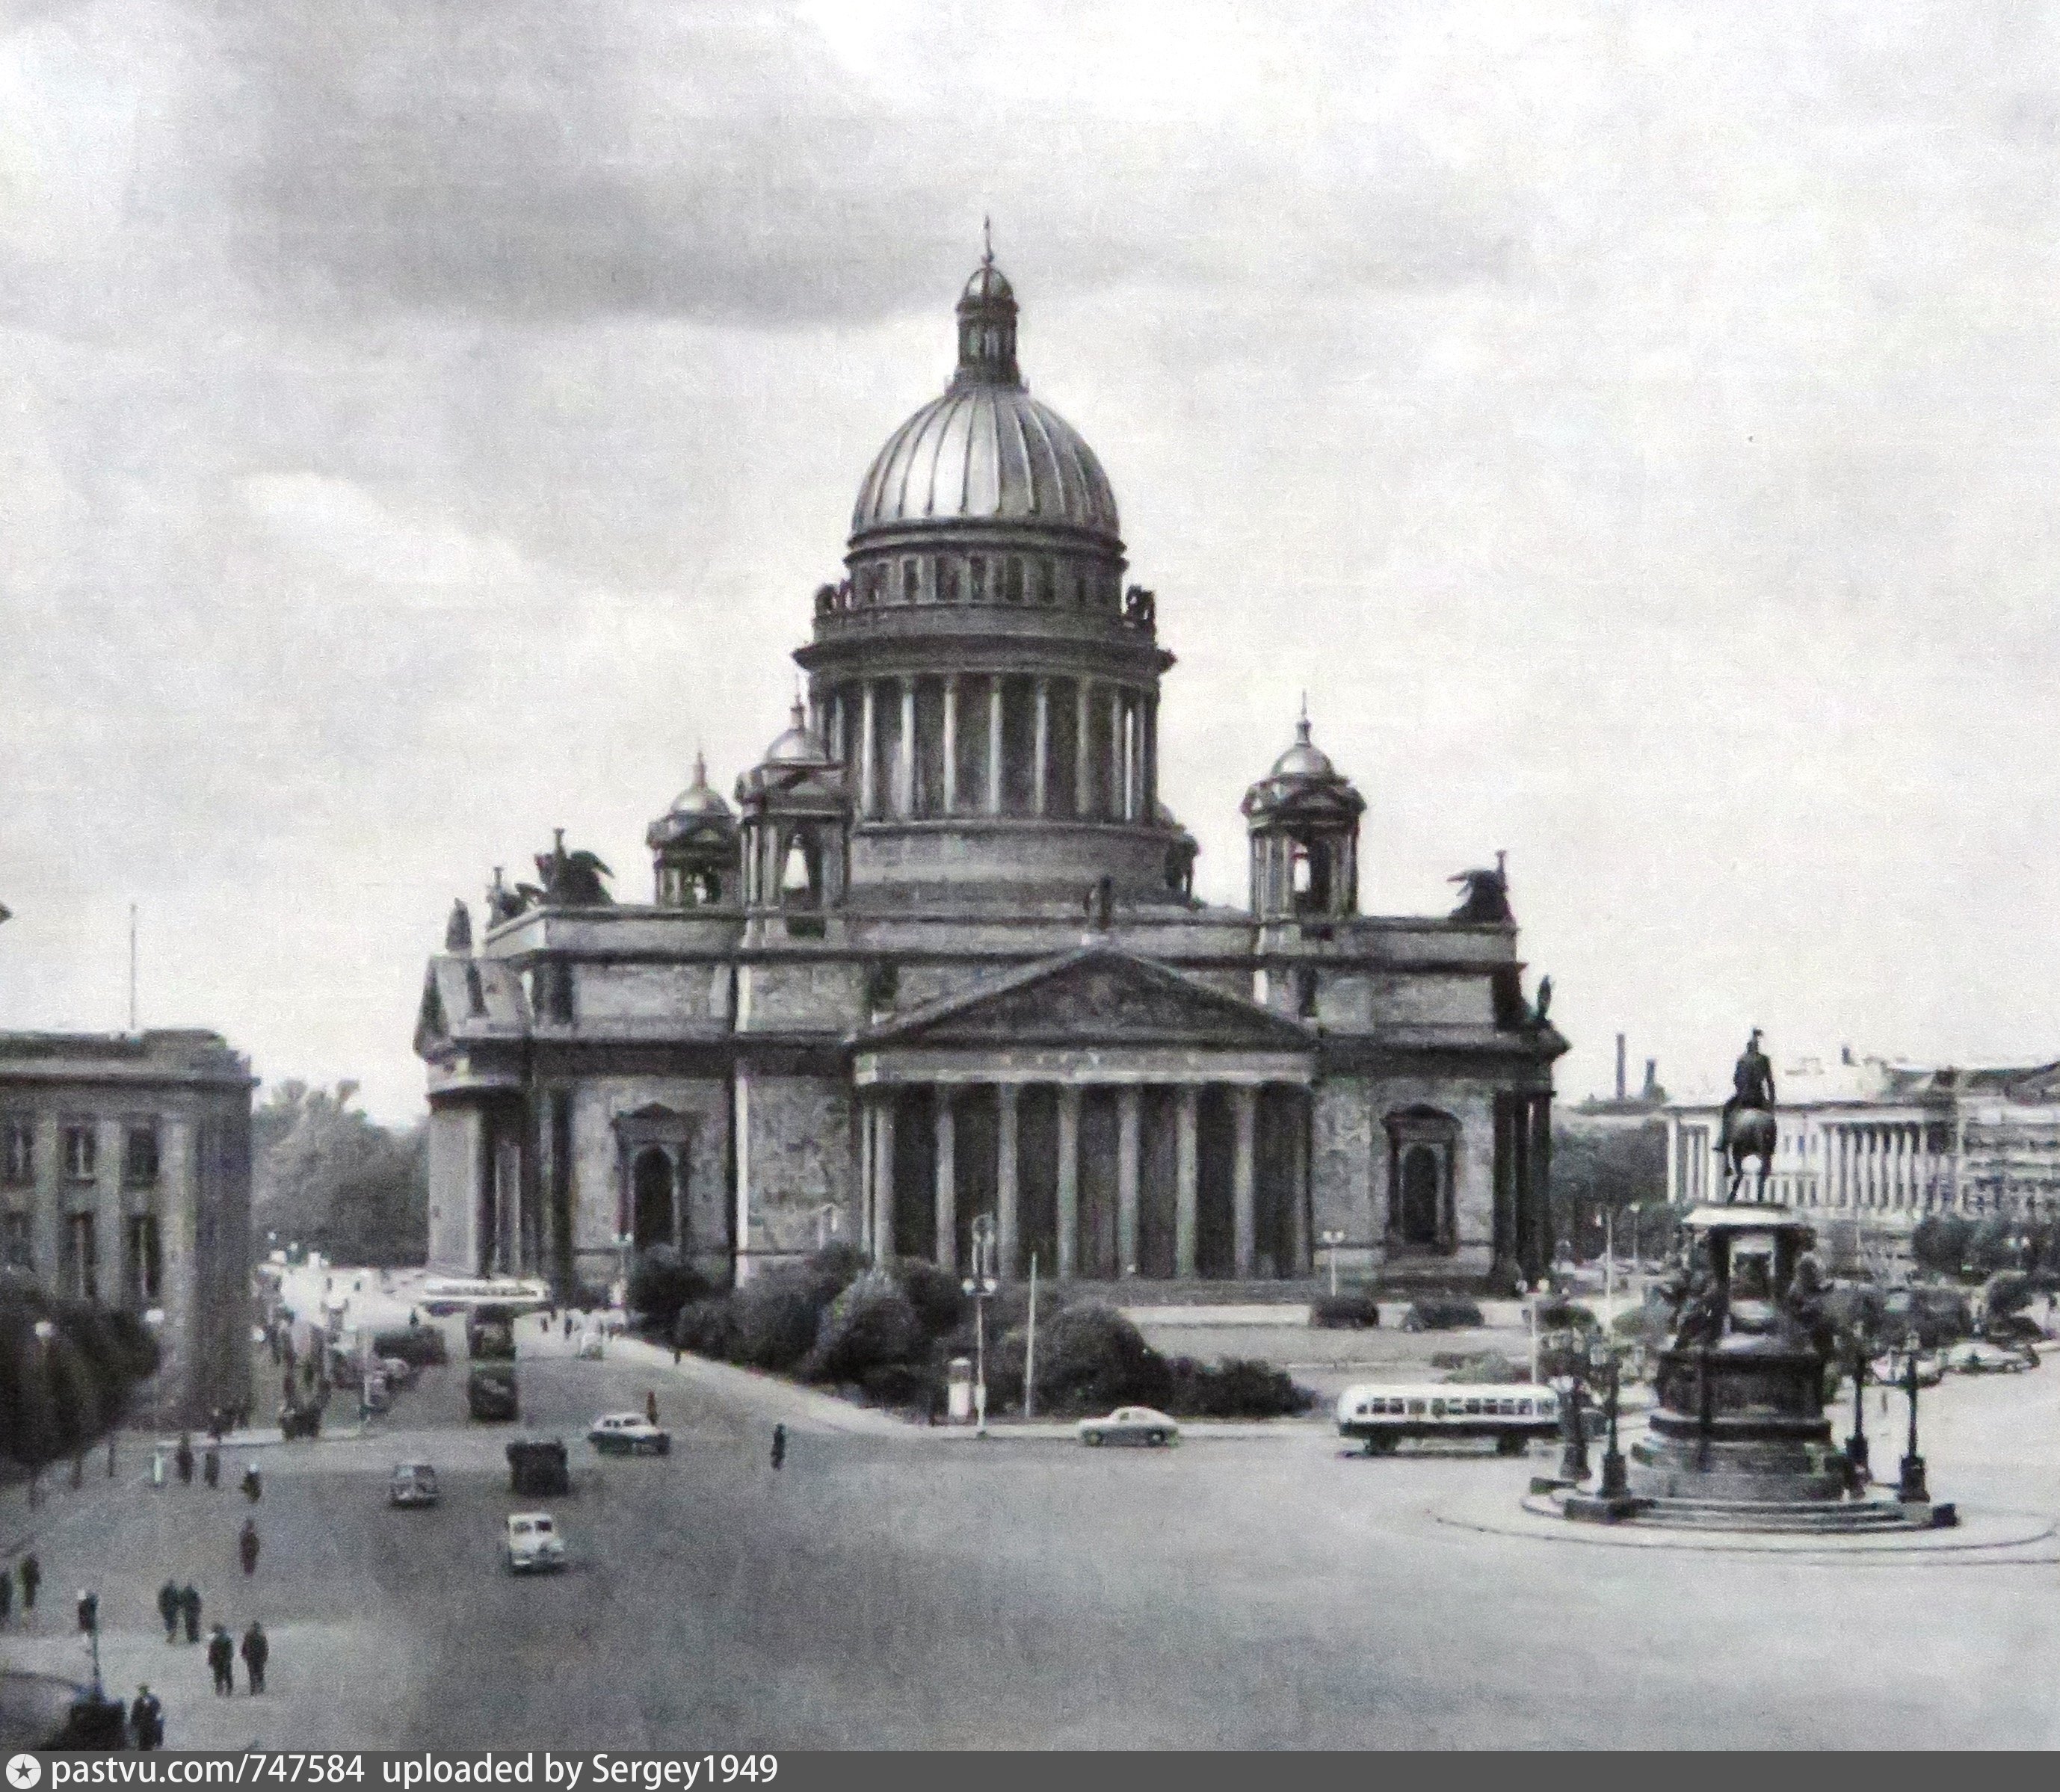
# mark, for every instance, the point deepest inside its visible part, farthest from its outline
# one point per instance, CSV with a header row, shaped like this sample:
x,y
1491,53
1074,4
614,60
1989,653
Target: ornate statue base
x,y
1740,1439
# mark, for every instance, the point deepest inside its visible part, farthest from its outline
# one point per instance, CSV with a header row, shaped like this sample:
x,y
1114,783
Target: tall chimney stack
x,y
1620,1091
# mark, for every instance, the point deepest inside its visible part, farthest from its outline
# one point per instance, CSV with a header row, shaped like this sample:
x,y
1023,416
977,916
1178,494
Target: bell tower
x,y
1302,821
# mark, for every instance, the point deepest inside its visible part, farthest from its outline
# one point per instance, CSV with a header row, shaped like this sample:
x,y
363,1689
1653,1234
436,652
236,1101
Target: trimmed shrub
x,y
872,1324
940,1303
1442,1312
772,1322
1489,1366
660,1285
1639,1325
1090,1359
2008,1290
1235,1388
704,1328
1561,1314
910,1386
1349,1310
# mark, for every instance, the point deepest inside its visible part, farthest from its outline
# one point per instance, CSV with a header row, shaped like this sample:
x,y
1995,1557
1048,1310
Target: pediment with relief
x,y
1097,996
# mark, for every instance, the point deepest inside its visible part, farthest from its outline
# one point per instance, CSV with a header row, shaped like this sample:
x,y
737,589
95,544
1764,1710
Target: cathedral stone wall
x,y
797,1157
680,994
457,1139
1342,1162
1423,999
822,995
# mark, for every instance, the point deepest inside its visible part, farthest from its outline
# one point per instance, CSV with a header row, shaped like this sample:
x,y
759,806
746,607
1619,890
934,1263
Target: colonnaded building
x,y
1868,1146
943,960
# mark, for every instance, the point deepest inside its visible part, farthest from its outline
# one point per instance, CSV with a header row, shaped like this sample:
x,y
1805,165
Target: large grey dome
x,y
986,452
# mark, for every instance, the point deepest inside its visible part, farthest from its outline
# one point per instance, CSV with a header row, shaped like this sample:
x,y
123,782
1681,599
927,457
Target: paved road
x,y
882,1590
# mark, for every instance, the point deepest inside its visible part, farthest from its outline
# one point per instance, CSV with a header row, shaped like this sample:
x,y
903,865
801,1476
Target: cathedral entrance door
x,y
651,1189
1420,1180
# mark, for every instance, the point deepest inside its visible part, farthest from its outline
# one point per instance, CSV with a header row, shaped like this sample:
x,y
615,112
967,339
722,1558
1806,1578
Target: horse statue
x,y
1748,1128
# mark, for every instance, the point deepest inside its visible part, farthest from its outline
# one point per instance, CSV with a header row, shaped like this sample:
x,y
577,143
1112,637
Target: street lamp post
x,y
44,1331
1573,1452
1910,1485
980,1285
1615,1483
89,1621
1856,1445
1331,1241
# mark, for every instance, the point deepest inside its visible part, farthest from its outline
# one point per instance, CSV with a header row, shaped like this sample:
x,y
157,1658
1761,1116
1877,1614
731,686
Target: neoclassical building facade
x,y
942,959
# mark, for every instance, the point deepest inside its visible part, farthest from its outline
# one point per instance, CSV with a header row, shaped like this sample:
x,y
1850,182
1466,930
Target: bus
x,y
1380,1414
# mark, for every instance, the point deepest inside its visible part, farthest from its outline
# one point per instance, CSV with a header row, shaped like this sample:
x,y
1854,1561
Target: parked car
x,y
1889,1371
419,1345
1975,1357
628,1433
398,1371
413,1484
1130,1425
592,1347
532,1543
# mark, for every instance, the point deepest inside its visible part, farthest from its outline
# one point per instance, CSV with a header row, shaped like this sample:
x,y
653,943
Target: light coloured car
x,y
628,1433
1975,1357
1140,1425
532,1543
413,1484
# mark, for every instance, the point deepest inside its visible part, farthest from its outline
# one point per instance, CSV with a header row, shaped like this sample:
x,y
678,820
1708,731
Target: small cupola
x,y
696,858
1303,820
987,327
796,815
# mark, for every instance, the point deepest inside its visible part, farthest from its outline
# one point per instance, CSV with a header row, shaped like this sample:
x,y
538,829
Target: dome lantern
x,y
987,327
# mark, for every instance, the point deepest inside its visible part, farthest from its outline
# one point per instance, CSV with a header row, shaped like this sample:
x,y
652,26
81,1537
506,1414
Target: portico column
x,y
947,1178
904,765
1083,753
1244,1108
1069,1179
951,744
1150,730
1128,1102
994,745
1116,755
868,774
1298,1188
1043,779
883,1178
1005,1200
1186,1156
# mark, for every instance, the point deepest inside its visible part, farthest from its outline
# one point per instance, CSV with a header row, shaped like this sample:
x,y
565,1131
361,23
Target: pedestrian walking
x,y
32,1578
257,1651
569,1323
650,1406
246,1545
254,1483
221,1658
184,1459
168,1609
216,1421
6,1599
146,1720
189,1610
210,1466
779,1445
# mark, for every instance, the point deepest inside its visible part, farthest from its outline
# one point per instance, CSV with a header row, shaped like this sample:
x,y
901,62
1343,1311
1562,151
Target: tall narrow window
x,y
17,1248
139,1158
145,1260
17,1153
912,582
80,1153
81,1265
976,579
1011,588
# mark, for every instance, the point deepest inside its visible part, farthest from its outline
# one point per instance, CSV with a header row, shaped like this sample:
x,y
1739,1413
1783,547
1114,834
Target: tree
x,y
326,1174
1596,1172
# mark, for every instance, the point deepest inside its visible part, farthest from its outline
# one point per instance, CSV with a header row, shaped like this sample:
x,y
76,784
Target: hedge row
x,y
890,1332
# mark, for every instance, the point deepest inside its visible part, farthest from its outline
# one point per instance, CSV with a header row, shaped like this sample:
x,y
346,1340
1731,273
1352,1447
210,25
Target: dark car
x,y
489,1392
489,1334
421,1346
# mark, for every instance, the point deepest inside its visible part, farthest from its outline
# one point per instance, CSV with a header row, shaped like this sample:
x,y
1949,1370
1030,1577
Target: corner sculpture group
x,y
1738,1437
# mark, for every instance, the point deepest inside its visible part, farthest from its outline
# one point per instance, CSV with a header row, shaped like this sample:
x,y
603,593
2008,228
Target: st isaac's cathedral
x,y
942,959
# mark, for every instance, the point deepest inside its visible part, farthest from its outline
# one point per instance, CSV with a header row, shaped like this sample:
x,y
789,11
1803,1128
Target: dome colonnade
x,y
990,688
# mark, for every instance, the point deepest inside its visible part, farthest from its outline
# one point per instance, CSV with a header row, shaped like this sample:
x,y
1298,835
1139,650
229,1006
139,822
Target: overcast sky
x,y
422,424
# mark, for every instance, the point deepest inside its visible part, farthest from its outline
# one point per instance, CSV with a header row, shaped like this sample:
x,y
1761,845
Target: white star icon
x,y
23,1771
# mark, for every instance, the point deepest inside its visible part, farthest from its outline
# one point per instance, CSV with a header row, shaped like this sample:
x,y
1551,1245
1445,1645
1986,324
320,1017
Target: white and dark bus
x,y
1381,1414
